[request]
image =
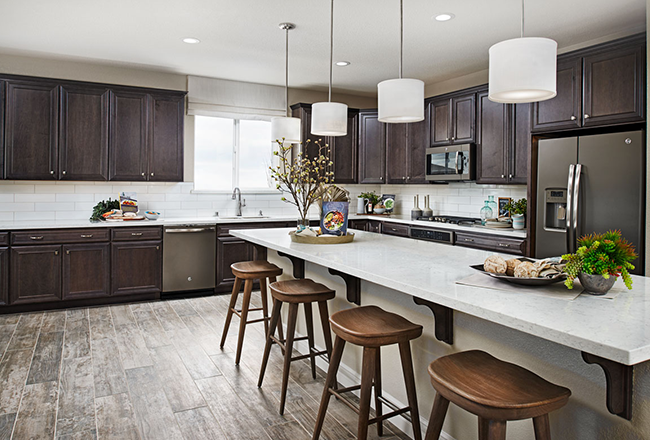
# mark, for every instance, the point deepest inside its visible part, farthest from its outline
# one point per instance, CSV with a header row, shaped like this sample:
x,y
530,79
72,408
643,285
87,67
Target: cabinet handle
x,y
63,172
504,245
52,172
469,239
67,252
136,234
586,116
36,237
573,118
86,235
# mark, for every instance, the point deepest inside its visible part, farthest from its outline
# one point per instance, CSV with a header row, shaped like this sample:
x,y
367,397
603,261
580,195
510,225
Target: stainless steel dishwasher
x,y
189,254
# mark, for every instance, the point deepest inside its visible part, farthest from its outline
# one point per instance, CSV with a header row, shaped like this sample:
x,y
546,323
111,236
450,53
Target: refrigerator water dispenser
x,y
555,213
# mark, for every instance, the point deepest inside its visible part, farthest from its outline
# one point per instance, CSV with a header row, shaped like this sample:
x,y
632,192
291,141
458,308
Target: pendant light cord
x,y
522,18
286,71
401,35
331,47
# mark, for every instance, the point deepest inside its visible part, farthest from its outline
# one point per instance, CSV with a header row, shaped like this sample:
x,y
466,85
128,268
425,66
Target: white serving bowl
x,y
152,215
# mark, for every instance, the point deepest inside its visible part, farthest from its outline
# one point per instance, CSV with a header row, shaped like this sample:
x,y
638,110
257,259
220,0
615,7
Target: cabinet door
x,y
136,267
396,153
86,270
230,250
345,152
463,119
4,276
614,87
166,138
562,112
373,226
492,140
128,136
31,130
418,141
83,133
2,129
372,148
440,115
308,147
35,274
520,152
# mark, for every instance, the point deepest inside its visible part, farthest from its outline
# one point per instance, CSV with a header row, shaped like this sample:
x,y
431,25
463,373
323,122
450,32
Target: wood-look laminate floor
x,y
152,371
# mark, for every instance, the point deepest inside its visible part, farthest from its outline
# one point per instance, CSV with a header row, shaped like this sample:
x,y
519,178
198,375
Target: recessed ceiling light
x,y
342,63
191,40
444,17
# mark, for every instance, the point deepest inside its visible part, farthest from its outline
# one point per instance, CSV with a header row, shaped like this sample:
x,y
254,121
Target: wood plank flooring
x,y
153,371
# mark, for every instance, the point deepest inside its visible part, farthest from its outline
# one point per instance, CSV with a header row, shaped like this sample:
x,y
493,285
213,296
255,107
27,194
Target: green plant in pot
x,y
599,261
373,198
517,209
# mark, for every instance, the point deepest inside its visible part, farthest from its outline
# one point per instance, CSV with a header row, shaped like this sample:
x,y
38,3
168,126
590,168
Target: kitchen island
x,y
548,335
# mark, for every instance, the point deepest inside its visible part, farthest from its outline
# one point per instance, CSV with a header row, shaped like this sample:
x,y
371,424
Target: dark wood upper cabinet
x,y
453,119
492,140
166,137
31,130
396,153
418,141
372,148
440,114
344,151
614,86
4,276
35,274
2,128
86,270
128,135
83,133
136,267
565,109
519,153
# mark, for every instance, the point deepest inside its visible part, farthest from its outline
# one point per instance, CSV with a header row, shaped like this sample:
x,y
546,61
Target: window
x,y
231,153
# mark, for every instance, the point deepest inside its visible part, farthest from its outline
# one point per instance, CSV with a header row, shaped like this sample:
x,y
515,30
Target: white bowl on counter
x,y
152,215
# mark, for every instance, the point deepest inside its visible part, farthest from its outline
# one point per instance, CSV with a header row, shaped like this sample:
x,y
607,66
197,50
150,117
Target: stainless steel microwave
x,y
453,162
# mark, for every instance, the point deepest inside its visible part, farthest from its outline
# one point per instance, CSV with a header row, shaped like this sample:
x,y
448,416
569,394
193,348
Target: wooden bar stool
x,y
295,292
371,328
495,391
249,271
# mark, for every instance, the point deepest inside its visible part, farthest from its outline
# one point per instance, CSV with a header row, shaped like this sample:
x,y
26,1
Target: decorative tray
x,y
543,281
322,239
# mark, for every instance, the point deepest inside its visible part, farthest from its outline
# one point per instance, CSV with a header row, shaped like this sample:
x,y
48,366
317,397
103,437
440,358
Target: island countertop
x,y
616,329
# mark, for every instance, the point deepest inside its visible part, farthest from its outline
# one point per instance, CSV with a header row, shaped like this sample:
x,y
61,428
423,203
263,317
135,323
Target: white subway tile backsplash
x,y
34,198
54,189
72,215
10,188
196,205
16,207
172,197
63,206
6,198
93,189
7,216
157,189
75,197
42,215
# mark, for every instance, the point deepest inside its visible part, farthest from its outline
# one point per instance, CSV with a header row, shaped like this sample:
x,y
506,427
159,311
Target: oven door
x,y
455,162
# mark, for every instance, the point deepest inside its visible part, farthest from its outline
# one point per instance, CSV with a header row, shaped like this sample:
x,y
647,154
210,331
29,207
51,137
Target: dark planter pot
x,y
596,284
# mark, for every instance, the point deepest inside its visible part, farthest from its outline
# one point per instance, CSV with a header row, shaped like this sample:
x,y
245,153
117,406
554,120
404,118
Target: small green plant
x,y
103,207
607,254
371,196
517,206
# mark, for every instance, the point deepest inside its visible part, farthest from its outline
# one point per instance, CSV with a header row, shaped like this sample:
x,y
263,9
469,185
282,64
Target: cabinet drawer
x,y
4,238
509,245
59,236
490,243
132,234
395,229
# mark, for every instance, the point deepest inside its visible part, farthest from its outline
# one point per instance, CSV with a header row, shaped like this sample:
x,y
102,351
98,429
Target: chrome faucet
x,y
236,195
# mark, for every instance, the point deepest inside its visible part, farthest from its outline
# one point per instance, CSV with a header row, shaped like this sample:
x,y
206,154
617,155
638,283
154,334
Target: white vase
x,y
518,221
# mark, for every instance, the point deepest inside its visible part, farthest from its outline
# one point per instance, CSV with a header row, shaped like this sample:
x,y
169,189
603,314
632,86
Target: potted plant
x,y
599,261
373,199
517,209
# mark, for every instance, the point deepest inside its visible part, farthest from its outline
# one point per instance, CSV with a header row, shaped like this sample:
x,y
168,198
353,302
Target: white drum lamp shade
x,y
401,100
287,129
523,70
329,119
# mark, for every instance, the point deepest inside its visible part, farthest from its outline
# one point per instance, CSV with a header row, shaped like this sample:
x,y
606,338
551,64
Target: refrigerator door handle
x,y
576,195
570,241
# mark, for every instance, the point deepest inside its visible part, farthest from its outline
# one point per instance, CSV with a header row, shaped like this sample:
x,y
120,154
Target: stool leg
x,y
378,408
277,308
409,381
280,331
248,288
288,351
438,413
491,429
233,301
265,305
542,428
330,382
367,376
327,332
309,321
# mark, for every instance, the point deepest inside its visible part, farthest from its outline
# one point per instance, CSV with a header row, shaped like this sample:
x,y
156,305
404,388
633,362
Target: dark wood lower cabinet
x,y
230,250
86,270
35,274
136,267
4,276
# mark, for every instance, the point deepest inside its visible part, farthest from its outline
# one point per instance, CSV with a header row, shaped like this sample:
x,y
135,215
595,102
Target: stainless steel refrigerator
x,y
590,184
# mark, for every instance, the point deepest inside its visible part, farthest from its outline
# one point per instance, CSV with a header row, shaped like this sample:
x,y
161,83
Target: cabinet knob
x,y
67,252
586,116
63,172
447,139
453,138
408,177
56,252
152,174
381,178
403,178
142,174
157,247
503,176
573,118
52,172
510,176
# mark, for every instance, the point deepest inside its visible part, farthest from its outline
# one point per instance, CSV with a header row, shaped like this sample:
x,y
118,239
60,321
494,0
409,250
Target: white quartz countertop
x,y
63,224
616,329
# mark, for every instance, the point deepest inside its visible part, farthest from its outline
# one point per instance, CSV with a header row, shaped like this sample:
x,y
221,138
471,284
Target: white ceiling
x,y
240,39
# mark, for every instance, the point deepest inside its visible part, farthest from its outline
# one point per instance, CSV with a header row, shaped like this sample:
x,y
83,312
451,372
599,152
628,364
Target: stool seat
x,y
371,326
494,389
301,291
247,270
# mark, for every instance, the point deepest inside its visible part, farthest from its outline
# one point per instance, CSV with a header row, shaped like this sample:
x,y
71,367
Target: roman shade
x,y
234,99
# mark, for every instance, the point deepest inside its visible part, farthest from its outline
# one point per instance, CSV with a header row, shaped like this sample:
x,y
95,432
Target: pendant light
x,y
286,128
523,69
401,100
329,118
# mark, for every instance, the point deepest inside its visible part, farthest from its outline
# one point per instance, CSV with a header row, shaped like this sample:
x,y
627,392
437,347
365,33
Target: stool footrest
x,y
397,411
306,356
253,321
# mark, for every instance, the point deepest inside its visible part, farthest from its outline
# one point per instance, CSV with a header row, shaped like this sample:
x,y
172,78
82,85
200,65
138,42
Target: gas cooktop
x,y
465,221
